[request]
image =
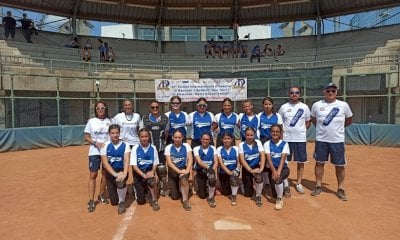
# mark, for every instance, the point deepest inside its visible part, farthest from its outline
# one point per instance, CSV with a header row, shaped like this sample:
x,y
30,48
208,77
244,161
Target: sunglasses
x,y
330,91
154,107
101,108
175,103
296,92
202,105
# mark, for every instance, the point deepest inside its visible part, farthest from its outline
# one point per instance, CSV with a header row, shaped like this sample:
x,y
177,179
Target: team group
x,y
164,163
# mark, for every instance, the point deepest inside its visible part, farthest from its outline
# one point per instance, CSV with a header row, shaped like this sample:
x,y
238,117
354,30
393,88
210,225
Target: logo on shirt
x,y
328,119
296,117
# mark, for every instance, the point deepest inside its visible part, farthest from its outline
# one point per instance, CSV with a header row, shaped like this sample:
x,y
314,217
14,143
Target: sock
x,y
286,182
211,191
259,187
185,193
121,194
265,178
234,190
279,190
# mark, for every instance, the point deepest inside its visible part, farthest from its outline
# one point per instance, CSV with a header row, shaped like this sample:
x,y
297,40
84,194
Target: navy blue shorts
x,y
298,152
335,150
94,163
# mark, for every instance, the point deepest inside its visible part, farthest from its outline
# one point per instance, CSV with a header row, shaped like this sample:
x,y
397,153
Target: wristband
x,y
94,143
115,174
143,174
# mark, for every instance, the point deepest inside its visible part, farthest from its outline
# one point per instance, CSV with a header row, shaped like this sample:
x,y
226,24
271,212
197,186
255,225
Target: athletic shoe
x,y
233,200
299,188
341,194
278,204
186,205
103,200
317,191
287,192
155,205
121,208
258,201
91,206
211,202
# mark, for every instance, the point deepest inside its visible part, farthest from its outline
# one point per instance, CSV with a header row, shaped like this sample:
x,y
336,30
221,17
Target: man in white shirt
x,y
330,117
296,120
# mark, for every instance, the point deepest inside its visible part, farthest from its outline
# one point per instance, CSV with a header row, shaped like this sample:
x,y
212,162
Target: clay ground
x,y
43,195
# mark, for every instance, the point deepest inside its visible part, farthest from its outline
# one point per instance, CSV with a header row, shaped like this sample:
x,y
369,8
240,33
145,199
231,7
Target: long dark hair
x,y
106,110
272,102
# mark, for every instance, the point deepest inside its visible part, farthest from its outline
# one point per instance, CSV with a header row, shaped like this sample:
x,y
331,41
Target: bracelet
x,y
115,174
94,143
143,174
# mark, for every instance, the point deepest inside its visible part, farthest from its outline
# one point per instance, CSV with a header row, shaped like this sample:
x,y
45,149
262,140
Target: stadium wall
x,y
14,139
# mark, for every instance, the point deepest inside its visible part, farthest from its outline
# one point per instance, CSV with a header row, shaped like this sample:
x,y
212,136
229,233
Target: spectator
x,y
226,49
28,28
279,50
9,26
88,44
111,55
255,53
218,50
267,50
86,54
104,52
73,44
101,45
235,48
209,49
243,50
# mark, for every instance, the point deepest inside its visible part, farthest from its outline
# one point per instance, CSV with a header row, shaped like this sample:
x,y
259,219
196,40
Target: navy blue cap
x,y
331,85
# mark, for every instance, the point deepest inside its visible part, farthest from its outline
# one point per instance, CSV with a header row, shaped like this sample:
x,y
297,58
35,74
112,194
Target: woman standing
x,y
144,159
177,119
115,159
129,123
225,121
252,159
201,122
157,124
96,134
247,118
180,161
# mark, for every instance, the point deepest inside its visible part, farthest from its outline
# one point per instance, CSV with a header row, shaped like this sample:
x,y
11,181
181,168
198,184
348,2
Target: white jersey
x,y
294,118
98,130
129,127
330,119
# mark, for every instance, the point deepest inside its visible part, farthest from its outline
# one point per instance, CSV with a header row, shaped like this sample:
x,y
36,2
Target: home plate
x,y
231,223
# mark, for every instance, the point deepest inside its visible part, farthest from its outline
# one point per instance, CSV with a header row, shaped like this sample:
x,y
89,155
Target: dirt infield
x,y
44,194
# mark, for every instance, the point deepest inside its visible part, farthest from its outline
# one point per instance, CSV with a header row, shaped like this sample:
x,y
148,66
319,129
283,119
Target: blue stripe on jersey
x,y
116,156
328,119
251,155
201,124
177,122
179,158
229,160
266,123
145,160
296,117
206,158
226,124
276,153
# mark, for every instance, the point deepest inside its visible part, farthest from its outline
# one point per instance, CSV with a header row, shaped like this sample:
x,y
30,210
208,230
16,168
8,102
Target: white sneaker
x,y
278,204
299,188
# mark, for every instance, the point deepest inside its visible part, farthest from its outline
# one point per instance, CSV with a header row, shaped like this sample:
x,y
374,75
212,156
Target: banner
x,y
211,89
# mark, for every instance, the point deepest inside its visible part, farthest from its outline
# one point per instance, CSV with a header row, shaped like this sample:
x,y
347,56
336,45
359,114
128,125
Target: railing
x,y
91,67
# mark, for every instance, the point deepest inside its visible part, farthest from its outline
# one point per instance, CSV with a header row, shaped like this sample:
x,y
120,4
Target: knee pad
x,y
234,181
151,182
211,177
258,178
184,180
161,170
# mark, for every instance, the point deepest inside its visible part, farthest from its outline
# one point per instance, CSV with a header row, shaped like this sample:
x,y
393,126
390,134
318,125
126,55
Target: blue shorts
x,y
335,150
298,152
94,163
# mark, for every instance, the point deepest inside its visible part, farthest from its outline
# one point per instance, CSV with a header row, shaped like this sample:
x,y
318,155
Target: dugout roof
x,y
200,12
